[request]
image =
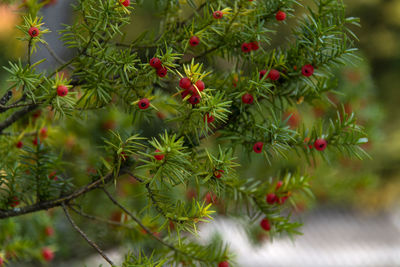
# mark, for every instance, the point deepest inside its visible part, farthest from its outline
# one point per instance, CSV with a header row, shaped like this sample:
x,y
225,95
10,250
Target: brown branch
x,y
93,244
57,202
99,219
16,116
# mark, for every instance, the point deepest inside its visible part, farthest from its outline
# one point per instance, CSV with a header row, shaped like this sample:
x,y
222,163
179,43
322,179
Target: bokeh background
x,y
354,218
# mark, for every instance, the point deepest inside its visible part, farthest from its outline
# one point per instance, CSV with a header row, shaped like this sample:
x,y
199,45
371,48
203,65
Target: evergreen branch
x,y
45,205
93,244
147,230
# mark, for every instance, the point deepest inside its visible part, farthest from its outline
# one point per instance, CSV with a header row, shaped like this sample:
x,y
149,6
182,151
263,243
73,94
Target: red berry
x,y
53,176
271,198
280,15
307,70
200,85
292,117
159,156
258,147
35,141
185,83
143,103
218,173
47,254
162,72
194,99
218,14
265,224
33,31
320,144
194,41
43,133
246,47
208,118
14,202
254,46
19,144
223,264
155,63
210,197
62,90
193,90
247,98
278,185
49,231
1,261
282,200
123,156
273,75
126,2
185,93
262,73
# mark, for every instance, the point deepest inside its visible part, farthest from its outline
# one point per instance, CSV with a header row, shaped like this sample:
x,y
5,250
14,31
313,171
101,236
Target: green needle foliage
x,y
186,158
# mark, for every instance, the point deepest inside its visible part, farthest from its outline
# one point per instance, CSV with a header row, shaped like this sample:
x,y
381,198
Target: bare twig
x,y
93,244
99,219
54,54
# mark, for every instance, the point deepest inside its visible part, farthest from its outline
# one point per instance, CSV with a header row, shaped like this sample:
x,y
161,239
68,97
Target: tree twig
x,y
93,244
99,219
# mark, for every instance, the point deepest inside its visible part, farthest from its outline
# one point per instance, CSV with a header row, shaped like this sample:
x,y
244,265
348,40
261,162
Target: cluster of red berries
x,y
144,103
157,64
125,3
248,47
190,89
273,74
53,176
33,32
272,198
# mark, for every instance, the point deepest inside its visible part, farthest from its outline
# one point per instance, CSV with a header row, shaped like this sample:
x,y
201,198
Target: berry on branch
x,y
47,254
33,32
218,173
307,70
208,118
273,75
258,147
320,144
126,3
62,90
218,14
254,46
280,16
162,72
185,83
159,156
271,198
194,41
246,47
144,103
155,63
19,144
200,85
247,98
223,264
265,224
